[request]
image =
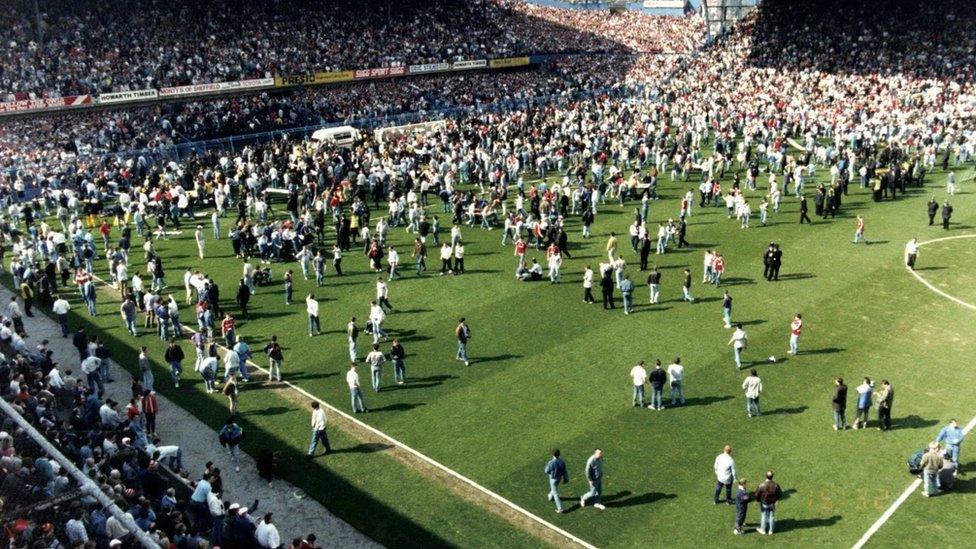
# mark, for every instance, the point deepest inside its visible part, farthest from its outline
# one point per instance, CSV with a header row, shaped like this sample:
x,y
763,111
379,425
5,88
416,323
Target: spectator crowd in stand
x,y
91,48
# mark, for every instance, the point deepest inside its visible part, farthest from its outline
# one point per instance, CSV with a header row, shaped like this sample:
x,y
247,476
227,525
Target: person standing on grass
x,y
174,357
420,252
627,291
318,265
725,475
738,342
796,326
676,374
337,260
556,471
128,311
767,494
207,368
352,333
446,259
520,247
611,247
383,294
312,308
932,208
727,310
752,386
911,253
459,257
839,403
375,359
859,231
639,375
946,214
319,422
885,399
594,476
243,298
230,436
60,310
606,287
657,378
289,282
463,333
230,391
227,330
742,499
686,287
864,391
776,261
355,391
376,317
654,284
275,358
588,285
952,436
198,238
397,355
931,464
804,208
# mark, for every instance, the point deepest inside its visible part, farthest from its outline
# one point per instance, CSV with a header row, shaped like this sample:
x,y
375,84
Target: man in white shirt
x,y
355,391
61,308
266,533
639,374
91,366
312,308
738,343
376,318
393,258
319,422
588,286
753,388
375,359
725,475
911,253
383,294
676,373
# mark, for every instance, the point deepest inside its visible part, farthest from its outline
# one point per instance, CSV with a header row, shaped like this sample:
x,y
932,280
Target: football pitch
x,y
549,371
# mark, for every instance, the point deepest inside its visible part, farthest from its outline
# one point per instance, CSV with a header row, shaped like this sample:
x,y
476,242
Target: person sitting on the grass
x,y
532,273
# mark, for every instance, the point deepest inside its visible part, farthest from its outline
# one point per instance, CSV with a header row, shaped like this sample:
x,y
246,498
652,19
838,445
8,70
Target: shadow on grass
x,y
787,411
824,351
930,269
364,448
785,525
625,499
737,281
752,322
272,411
914,422
797,276
706,401
398,407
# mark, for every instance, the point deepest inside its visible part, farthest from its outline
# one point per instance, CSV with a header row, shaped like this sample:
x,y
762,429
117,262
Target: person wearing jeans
x,y
639,376
676,376
657,378
839,404
727,310
556,471
752,387
397,353
60,308
738,343
768,494
594,475
725,475
312,308
463,334
375,359
355,391
952,436
931,463
318,430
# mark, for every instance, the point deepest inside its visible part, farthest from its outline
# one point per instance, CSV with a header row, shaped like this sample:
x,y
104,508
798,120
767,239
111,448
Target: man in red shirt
x,y
227,330
520,247
859,232
796,326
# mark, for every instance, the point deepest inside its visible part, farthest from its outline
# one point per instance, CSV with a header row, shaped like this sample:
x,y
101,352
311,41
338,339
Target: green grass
x,y
550,371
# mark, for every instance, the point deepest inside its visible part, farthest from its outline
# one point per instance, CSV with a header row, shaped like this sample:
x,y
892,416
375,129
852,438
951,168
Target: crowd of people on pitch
x,y
93,48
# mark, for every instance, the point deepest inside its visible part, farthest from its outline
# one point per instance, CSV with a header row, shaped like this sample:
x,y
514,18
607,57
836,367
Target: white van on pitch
x,y
343,136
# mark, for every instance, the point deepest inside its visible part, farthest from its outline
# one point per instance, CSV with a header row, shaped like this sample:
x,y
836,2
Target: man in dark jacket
x,y
657,379
839,403
804,208
933,208
946,214
767,495
606,285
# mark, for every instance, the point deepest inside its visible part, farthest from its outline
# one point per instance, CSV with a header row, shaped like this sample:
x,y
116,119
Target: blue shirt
x,y
950,435
201,492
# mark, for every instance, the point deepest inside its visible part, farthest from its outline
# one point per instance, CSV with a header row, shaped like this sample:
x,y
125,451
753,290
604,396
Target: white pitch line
x,y
428,460
929,285
969,426
901,499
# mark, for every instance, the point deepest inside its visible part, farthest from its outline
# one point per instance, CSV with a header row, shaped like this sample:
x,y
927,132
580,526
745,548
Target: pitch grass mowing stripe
x,y
915,483
929,285
357,425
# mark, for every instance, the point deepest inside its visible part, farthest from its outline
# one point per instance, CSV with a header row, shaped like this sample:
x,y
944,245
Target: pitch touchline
x,y
901,499
929,285
969,426
430,461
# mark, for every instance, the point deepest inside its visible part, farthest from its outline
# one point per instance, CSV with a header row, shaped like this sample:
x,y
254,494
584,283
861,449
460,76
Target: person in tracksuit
x,y
594,475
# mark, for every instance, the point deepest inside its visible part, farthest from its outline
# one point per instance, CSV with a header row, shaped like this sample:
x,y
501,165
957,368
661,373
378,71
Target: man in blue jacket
x,y
556,471
952,435
594,475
